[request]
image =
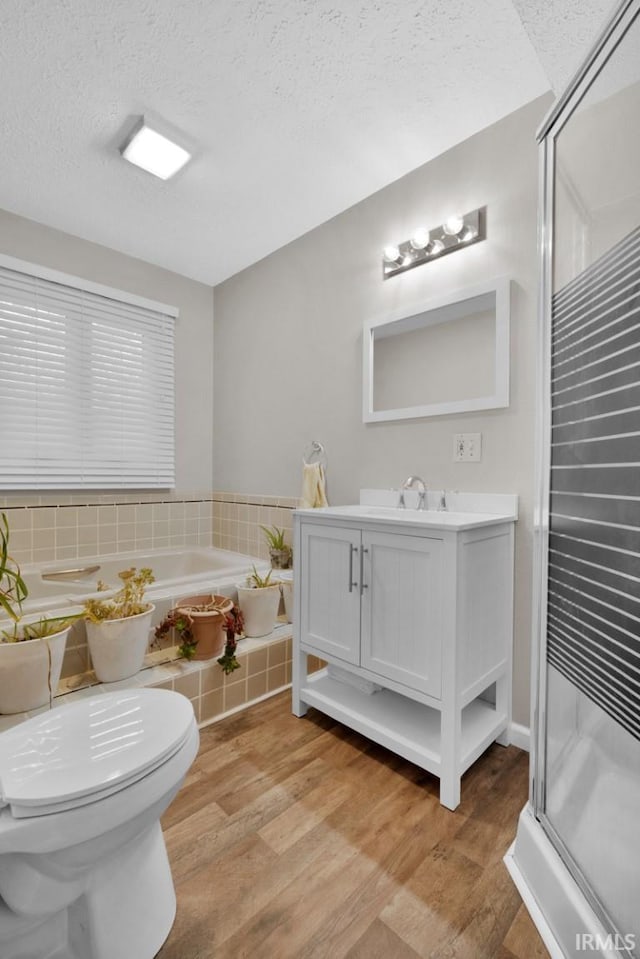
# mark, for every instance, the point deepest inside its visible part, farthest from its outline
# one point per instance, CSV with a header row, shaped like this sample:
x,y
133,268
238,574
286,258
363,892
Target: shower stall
x,y
576,858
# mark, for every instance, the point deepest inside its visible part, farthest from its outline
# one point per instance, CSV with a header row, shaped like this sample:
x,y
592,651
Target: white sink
x,y
435,519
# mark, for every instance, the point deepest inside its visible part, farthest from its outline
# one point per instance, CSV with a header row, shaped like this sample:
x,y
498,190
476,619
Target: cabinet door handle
x,y
352,550
363,585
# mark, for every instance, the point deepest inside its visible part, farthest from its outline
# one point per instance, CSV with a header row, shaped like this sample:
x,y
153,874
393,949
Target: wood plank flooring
x,y
299,839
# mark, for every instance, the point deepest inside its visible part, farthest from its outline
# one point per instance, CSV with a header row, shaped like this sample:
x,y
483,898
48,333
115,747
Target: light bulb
x,y
467,233
420,239
453,225
391,254
437,246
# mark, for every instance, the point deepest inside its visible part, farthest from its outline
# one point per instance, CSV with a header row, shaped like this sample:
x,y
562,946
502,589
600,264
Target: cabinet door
x,y
402,609
330,591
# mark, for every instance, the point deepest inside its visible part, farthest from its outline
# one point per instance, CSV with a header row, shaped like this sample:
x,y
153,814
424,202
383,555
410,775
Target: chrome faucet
x,y
409,483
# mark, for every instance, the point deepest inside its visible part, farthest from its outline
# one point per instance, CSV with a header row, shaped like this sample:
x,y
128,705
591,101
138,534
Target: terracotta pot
x,y
118,646
27,669
207,624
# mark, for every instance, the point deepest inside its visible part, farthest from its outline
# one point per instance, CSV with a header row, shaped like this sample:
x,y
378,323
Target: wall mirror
x,y
449,355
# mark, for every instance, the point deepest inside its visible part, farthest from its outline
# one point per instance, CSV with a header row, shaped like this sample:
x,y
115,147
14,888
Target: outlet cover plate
x,y
467,447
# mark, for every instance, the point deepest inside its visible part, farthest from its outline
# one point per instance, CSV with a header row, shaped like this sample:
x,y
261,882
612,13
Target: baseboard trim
x,y
520,736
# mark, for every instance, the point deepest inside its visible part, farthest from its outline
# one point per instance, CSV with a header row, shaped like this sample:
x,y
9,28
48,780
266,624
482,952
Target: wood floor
x,y
300,838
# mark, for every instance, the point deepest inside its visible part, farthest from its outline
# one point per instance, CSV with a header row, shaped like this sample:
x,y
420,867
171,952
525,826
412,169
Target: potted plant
x,y
199,624
31,648
258,599
118,626
279,551
233,626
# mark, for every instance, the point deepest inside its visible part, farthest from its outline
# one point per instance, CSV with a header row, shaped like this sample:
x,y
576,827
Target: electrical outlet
x,y
467,447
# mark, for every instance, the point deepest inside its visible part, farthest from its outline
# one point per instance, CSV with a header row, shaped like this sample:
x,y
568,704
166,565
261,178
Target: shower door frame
x,y
552,126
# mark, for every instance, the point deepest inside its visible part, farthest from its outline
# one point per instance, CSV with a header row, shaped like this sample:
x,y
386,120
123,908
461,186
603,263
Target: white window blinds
x,y
86,387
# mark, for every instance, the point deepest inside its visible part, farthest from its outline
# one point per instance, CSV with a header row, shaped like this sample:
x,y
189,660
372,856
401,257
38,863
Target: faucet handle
x,y
442,505
401,503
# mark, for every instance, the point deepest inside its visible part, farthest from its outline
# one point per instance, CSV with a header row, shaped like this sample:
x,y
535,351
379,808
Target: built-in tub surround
x,y
265,669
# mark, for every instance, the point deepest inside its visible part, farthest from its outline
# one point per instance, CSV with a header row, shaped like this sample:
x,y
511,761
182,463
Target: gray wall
x,y
288,341
31,241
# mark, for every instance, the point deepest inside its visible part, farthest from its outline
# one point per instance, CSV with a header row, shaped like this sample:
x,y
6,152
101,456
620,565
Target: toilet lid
x,y
79,753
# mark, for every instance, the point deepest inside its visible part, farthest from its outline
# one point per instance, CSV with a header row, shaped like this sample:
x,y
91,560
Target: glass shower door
x,y
588,777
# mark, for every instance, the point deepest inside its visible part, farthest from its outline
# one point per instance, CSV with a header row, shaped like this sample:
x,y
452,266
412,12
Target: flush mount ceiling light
x,y
154,152
456,232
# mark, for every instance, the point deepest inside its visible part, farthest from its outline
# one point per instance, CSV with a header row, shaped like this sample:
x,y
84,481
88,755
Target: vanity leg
x,y
450,791
298,680
450,737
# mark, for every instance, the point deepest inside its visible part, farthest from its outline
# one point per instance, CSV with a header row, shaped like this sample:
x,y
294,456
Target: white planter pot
x,y
259,607
118,646
27,673
286,578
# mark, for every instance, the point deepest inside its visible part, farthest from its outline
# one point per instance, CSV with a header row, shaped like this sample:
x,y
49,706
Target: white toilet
x,y
84,872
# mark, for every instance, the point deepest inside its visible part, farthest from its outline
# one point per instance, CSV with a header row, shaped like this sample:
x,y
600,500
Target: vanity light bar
x,y
456,232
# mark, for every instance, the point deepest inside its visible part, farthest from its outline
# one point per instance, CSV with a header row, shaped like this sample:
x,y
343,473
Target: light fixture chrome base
x,y
473,228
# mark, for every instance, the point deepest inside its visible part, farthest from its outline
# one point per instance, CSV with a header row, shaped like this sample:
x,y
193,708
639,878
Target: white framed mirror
x,y
447,355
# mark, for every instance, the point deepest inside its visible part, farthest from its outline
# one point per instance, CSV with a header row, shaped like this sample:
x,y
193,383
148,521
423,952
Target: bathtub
x,y
61,587
178,572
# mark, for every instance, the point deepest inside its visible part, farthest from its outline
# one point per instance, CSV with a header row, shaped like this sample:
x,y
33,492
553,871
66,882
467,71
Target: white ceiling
x,y
295,109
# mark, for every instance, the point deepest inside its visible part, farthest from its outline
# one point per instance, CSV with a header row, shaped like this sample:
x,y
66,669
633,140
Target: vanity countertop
x,y
464,510
430,518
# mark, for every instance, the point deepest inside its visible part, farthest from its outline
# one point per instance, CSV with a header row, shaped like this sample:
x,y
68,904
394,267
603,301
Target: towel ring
x,y
315,453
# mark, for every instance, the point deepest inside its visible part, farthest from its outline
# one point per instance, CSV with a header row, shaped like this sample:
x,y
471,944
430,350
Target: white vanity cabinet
x,y
373,599
414,615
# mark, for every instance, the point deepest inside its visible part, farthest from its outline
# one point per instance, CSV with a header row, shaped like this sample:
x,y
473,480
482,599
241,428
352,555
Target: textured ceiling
x,y
294,109
562,32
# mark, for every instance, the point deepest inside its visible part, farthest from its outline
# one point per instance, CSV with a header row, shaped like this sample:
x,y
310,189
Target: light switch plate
x,y
467,447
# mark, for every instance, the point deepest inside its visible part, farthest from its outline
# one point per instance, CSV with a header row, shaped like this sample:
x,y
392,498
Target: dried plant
x,y
127,601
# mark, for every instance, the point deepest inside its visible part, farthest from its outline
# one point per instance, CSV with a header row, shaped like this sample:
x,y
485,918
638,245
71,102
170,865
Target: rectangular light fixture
x,y
154,152
425,245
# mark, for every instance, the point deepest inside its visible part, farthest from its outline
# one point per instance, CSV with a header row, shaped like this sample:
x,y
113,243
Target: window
x,y
86,384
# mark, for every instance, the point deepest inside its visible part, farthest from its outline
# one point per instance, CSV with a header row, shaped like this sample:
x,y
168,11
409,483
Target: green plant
x,y
127,601
13,592
257,581
183,625
233,626
38,629
275,538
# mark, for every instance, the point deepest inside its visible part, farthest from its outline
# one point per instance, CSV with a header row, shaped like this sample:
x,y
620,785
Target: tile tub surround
x,y
50,527
57,527
265,669
237,518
